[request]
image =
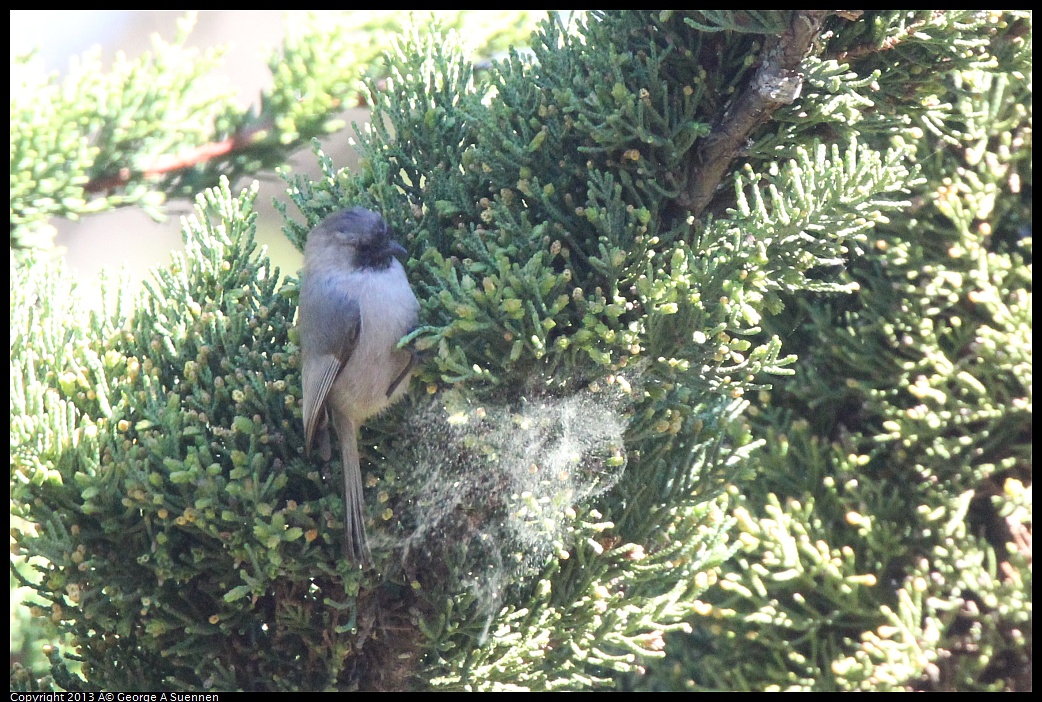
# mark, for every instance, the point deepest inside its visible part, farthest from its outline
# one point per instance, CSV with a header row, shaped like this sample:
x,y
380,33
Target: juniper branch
x,y
775,83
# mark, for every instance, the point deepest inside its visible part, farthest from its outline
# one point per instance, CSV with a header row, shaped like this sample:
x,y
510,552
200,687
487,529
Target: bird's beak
x,y
397,250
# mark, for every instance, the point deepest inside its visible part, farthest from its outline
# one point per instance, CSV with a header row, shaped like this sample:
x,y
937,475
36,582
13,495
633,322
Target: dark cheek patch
x,y
373,258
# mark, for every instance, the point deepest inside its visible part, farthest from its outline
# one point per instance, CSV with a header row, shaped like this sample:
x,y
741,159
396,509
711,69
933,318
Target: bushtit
x,y
355,306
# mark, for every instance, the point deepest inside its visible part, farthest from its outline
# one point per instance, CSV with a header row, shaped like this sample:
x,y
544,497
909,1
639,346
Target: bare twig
x,y
776,82
171,163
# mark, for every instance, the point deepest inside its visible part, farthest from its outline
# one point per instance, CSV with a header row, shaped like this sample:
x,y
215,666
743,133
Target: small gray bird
x,y
355,306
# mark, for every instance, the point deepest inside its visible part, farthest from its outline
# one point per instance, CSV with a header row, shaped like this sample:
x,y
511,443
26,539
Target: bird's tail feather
x,y
356,545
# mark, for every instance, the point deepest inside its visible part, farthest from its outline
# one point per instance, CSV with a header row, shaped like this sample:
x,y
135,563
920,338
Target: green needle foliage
x,y
608,473
886,541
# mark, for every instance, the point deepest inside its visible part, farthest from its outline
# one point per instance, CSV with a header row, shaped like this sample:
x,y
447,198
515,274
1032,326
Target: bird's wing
x,y
336,335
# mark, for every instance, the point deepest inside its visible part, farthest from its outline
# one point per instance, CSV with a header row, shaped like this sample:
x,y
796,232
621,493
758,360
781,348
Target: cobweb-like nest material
x,y
504,483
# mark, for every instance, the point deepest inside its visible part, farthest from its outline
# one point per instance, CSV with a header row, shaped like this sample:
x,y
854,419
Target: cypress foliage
x,y
726,318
